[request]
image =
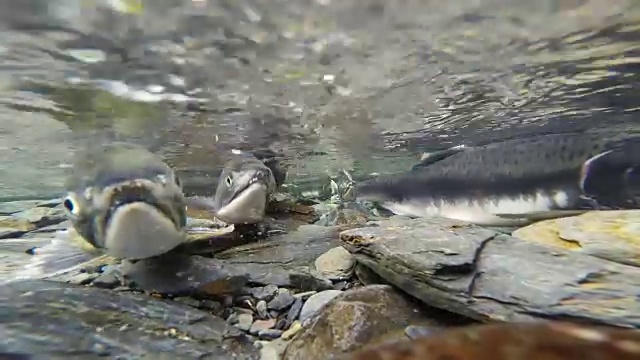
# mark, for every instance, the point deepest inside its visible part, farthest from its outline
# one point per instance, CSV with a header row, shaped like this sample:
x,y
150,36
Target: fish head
x,y
243,191
126,202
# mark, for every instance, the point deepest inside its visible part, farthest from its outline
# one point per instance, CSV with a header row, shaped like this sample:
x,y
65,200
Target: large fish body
x,y
122,201
515,182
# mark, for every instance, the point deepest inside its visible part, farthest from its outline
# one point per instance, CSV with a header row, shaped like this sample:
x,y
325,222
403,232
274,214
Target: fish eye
x,y
229,181
71,206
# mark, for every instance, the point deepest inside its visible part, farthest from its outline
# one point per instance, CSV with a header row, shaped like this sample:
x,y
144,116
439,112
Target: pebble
x,y
317,301
292,331
261,309
244,322
269,334
283,300
336,264
264,293
260,325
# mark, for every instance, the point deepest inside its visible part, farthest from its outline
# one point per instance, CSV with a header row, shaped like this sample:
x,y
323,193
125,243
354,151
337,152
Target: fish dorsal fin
x,y
433,157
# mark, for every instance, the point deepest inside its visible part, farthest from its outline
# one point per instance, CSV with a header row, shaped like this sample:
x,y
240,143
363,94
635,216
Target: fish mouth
x,y
248,204
139,224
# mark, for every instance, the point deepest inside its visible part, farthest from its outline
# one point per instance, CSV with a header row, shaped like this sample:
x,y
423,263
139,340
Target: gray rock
x,y
283,260
41,318
294,312
482,274
244,322
282,301
265,293
177,273
336,264
316,302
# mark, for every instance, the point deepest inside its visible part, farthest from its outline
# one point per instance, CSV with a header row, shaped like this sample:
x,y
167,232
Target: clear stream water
x,y
363,85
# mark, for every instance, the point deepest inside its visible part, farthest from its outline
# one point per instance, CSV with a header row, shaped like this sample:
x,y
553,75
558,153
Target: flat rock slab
x,y
486,275
54,320
284,260
611,235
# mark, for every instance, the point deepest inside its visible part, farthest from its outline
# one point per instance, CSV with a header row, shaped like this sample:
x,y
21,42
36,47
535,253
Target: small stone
x,y
187,301
261,309
283,300
292,331
269,334
107,280
244,322
336,264
293,313
316,302
82,278
264,293
259,325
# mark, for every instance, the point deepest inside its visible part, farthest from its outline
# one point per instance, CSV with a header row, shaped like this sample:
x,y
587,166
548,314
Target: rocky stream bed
x,y
318,290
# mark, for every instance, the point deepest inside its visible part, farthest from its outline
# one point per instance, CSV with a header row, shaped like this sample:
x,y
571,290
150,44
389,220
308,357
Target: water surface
x,y
364,85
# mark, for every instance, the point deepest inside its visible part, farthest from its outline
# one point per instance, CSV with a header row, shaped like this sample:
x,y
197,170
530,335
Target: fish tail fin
x,y
53,259
612,178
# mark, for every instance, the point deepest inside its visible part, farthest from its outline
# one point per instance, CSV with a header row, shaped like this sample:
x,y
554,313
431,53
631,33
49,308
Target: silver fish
x,y
122,201
515,182
244,188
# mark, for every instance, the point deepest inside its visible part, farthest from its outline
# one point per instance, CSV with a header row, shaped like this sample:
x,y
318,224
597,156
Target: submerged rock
x,y
356,318
336,264
485,275
610,235
43,318
283,260
546,341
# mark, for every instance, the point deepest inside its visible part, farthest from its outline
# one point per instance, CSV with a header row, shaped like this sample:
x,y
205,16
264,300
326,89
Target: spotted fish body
x,y
514,341
517,181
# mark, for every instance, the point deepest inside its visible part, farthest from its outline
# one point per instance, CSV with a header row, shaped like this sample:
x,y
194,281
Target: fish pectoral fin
x,y
435,156
613,177
55,258
542,215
